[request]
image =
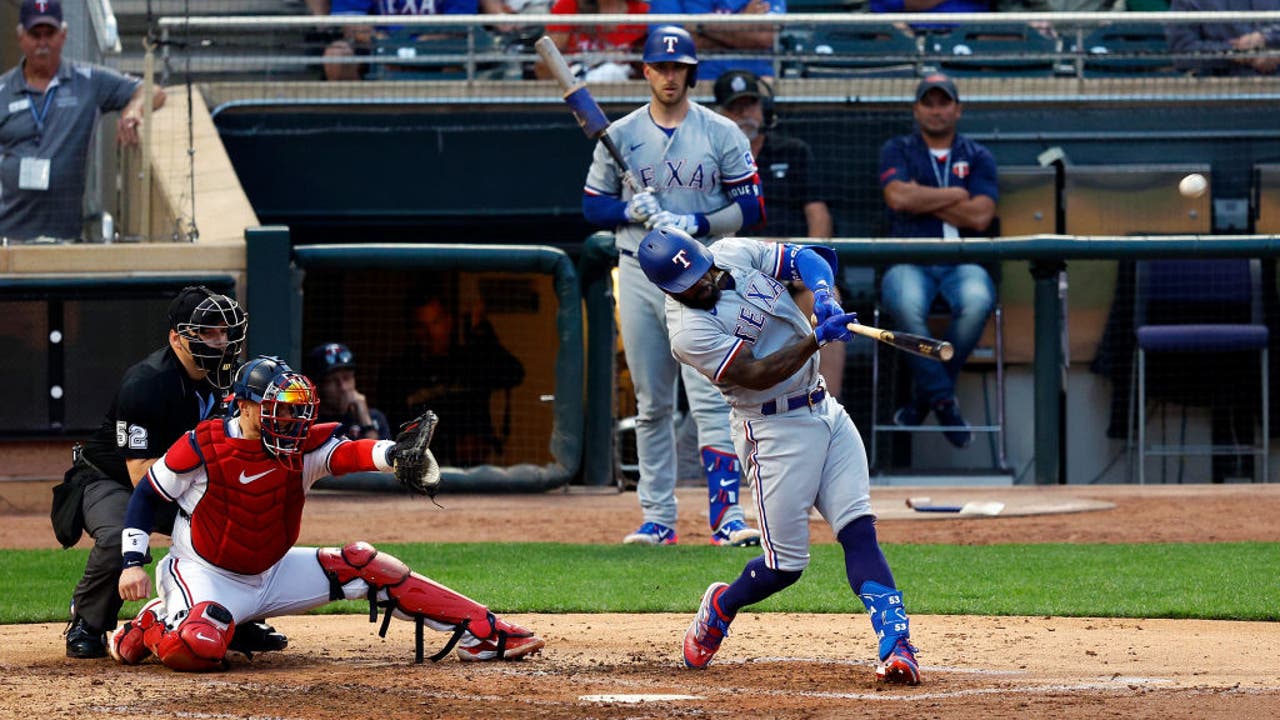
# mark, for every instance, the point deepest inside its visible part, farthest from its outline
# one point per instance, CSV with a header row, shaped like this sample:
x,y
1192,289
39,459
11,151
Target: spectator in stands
x,y
48,112
1235,44
793,202
359,40
938,184
454,371
930,6
601,38
720,39
332,368
1060,5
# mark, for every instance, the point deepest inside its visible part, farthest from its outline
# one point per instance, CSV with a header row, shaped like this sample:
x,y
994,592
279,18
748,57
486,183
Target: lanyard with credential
x,y
44,112
944,179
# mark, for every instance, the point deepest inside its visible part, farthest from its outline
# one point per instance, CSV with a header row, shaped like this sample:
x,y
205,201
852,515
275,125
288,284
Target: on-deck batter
x,y
699,176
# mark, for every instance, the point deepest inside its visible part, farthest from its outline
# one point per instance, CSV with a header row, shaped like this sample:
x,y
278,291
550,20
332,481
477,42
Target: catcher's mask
x,y
214,327
288,403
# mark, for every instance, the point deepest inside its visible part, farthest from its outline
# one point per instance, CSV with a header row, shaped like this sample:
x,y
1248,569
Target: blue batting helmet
x,y
672,43
672,259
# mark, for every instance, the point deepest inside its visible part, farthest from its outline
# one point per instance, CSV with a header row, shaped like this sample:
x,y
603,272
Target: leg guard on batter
x,y
888,616
393,586
723,481
198,643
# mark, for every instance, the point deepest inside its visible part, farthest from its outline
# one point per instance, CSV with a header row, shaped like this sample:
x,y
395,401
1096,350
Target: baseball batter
x,y
697,174
731,319
240,484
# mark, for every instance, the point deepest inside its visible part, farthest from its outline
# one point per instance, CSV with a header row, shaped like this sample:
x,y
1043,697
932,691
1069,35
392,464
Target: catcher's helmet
x,y
672,43
200,316
288,405
672,259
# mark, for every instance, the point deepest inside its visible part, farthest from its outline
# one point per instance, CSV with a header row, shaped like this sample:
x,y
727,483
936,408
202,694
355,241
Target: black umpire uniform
x,y
157,402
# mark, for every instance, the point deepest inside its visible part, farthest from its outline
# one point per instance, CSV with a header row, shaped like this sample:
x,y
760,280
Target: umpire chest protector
x,y
251,510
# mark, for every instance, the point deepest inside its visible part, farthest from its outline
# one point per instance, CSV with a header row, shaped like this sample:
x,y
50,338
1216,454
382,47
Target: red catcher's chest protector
x,y
251,511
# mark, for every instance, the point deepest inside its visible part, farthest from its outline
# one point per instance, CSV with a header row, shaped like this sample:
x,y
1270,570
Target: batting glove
x,y
642,206
833,328
824,304
687,223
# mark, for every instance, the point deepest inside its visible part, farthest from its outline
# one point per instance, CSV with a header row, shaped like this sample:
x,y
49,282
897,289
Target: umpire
x,y
159,399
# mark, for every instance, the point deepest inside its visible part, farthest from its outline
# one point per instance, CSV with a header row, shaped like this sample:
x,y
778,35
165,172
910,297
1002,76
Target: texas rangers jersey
x,y
687,167
756,312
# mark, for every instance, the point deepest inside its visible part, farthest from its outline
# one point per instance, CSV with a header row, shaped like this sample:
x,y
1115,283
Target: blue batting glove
x,y
833,328
824,304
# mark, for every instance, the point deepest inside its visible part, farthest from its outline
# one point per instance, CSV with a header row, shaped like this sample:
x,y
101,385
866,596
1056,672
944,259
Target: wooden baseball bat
x,y
939,350
550,54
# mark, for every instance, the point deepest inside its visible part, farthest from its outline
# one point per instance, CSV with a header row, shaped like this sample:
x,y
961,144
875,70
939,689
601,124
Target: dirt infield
x,y
776,666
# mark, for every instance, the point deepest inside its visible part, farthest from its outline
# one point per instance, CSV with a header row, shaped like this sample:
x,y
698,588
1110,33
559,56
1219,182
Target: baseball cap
x,y
736,84
940,82
188,299
40,12
324,359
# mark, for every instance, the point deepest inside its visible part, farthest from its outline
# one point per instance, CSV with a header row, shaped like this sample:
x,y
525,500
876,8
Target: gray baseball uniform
x,y
798,447
688,168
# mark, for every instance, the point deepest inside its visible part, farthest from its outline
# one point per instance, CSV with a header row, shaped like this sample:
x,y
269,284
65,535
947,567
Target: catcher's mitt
x,y
414,465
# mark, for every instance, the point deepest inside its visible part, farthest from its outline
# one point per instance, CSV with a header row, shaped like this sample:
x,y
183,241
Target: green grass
x,y
1239,581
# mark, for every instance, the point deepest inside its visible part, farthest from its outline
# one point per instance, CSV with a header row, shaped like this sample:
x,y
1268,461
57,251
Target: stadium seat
x,y
404,56
993,50
1203,314
1125,49
856,51
985,357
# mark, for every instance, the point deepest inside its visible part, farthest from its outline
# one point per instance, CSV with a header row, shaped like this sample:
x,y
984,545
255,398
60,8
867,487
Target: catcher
x,y
240,484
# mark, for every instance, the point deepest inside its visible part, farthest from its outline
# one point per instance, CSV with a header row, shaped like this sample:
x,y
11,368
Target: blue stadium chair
x,y
855,51
993,50
1191,291
405,56
1125,49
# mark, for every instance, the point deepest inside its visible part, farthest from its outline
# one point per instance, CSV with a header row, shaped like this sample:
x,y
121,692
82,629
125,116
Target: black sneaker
x,y
948,412
85,642
255,637
911,414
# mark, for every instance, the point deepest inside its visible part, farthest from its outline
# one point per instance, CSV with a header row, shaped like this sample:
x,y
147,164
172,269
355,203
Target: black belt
x,y
809,399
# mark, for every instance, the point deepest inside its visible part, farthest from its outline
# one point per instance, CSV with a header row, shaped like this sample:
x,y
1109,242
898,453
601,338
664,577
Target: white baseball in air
x,y
1193,185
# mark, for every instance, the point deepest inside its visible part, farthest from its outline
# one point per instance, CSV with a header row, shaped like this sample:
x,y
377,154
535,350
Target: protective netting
x,y
478,349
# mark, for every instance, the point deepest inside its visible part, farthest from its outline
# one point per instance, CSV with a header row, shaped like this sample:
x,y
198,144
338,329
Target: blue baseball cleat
x,y
736,533
900,666
651,533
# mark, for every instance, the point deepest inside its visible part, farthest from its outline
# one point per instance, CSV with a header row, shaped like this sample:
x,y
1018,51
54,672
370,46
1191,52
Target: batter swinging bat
x,y
939,350
584,107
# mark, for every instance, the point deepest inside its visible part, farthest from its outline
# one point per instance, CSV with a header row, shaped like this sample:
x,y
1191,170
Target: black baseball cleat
x,y
255,637
85,642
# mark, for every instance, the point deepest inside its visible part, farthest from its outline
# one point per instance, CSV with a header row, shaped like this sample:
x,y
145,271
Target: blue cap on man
x,y
672,43
40,12
672,259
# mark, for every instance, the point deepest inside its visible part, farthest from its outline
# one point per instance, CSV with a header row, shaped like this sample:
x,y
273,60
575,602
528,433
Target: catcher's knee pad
x,y
723,481
888,615
406,592
127,643
199,642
